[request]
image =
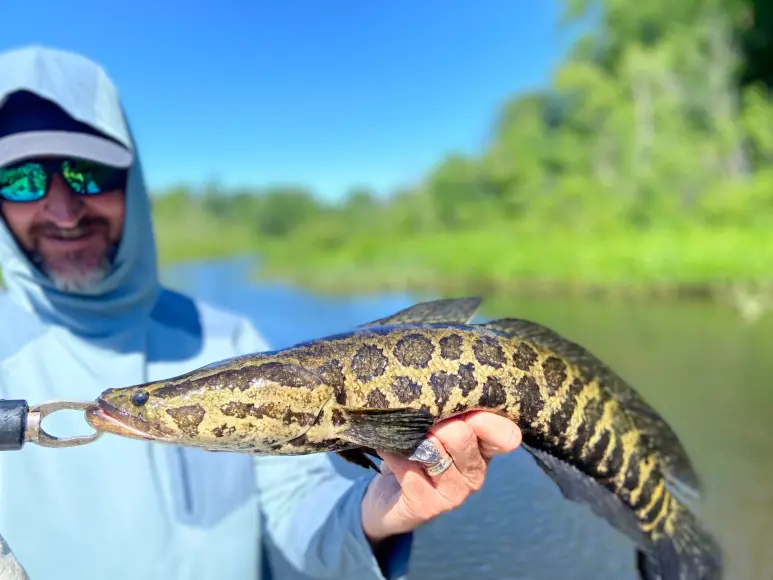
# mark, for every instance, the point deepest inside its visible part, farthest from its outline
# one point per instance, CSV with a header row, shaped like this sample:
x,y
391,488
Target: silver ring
x,y
439,467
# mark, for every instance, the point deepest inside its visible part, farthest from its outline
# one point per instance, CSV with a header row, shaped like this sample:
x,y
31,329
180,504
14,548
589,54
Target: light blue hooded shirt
x,y
121,508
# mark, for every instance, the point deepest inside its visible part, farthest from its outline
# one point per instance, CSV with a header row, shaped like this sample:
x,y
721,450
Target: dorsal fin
x,y
450,310
678,470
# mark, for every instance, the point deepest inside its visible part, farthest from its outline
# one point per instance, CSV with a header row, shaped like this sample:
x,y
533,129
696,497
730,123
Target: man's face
x,y
71,237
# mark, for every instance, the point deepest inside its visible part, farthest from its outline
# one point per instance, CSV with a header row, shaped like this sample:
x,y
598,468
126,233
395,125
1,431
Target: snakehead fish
x,y
385,383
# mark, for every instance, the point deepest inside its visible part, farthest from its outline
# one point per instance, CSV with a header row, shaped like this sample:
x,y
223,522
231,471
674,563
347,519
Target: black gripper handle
x,y
13,423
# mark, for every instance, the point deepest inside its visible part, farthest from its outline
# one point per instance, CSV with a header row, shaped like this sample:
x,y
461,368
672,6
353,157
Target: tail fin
x,y
690,554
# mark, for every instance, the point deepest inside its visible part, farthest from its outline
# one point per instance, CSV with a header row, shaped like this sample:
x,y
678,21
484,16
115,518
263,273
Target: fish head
x,y
133,412
255,407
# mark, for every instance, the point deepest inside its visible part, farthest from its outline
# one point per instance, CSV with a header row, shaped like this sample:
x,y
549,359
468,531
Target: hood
x,y
125,297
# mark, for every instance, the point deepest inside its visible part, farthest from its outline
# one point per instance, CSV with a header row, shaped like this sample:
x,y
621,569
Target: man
x,y
85,312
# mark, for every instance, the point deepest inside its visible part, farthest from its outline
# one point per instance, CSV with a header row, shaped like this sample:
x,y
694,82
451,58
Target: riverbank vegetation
x,y
646,166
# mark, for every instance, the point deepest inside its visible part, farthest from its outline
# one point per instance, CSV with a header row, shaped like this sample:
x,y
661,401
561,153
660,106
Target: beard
x,y
77,270
70,274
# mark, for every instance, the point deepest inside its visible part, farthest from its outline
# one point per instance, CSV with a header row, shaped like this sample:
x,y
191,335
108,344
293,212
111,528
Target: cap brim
x,y
20,146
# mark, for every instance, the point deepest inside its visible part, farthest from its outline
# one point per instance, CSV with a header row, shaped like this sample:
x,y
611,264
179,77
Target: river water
x,y
707,371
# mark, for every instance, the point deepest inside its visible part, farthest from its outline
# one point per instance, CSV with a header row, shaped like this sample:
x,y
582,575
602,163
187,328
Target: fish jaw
x,y
109,419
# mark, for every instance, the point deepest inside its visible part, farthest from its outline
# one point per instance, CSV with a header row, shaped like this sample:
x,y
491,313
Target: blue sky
x,y
324,94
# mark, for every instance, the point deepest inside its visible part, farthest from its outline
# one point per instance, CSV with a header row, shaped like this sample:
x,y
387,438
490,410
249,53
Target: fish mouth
x,y
107,418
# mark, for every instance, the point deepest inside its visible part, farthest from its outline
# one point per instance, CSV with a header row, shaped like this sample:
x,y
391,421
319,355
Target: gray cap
x,y
43,113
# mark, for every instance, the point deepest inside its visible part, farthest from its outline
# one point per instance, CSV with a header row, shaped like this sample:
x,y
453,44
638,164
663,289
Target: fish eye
x,y
140,398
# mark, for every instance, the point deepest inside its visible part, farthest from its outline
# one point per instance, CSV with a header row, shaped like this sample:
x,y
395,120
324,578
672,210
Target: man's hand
x,y
403,496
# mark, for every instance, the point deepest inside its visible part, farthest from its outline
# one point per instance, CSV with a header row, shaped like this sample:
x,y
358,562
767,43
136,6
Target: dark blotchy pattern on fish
x,y
382,386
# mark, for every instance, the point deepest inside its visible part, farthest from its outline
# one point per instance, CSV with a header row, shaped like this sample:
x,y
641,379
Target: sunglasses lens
x,y
28,181
87,178
25,182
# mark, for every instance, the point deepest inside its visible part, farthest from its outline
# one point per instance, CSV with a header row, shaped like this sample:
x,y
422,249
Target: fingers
x,y
401,467
419,491
397,500
457,440
404,495
470,441
495,434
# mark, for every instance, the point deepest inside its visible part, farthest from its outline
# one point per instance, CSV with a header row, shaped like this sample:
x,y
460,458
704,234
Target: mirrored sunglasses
x,y
29,180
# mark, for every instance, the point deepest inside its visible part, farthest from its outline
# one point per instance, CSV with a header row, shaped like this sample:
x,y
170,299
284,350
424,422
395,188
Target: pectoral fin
x,y
395,430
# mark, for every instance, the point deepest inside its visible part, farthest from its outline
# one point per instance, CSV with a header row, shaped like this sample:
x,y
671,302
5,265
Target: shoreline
x,y
739,295
730,265
336,284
